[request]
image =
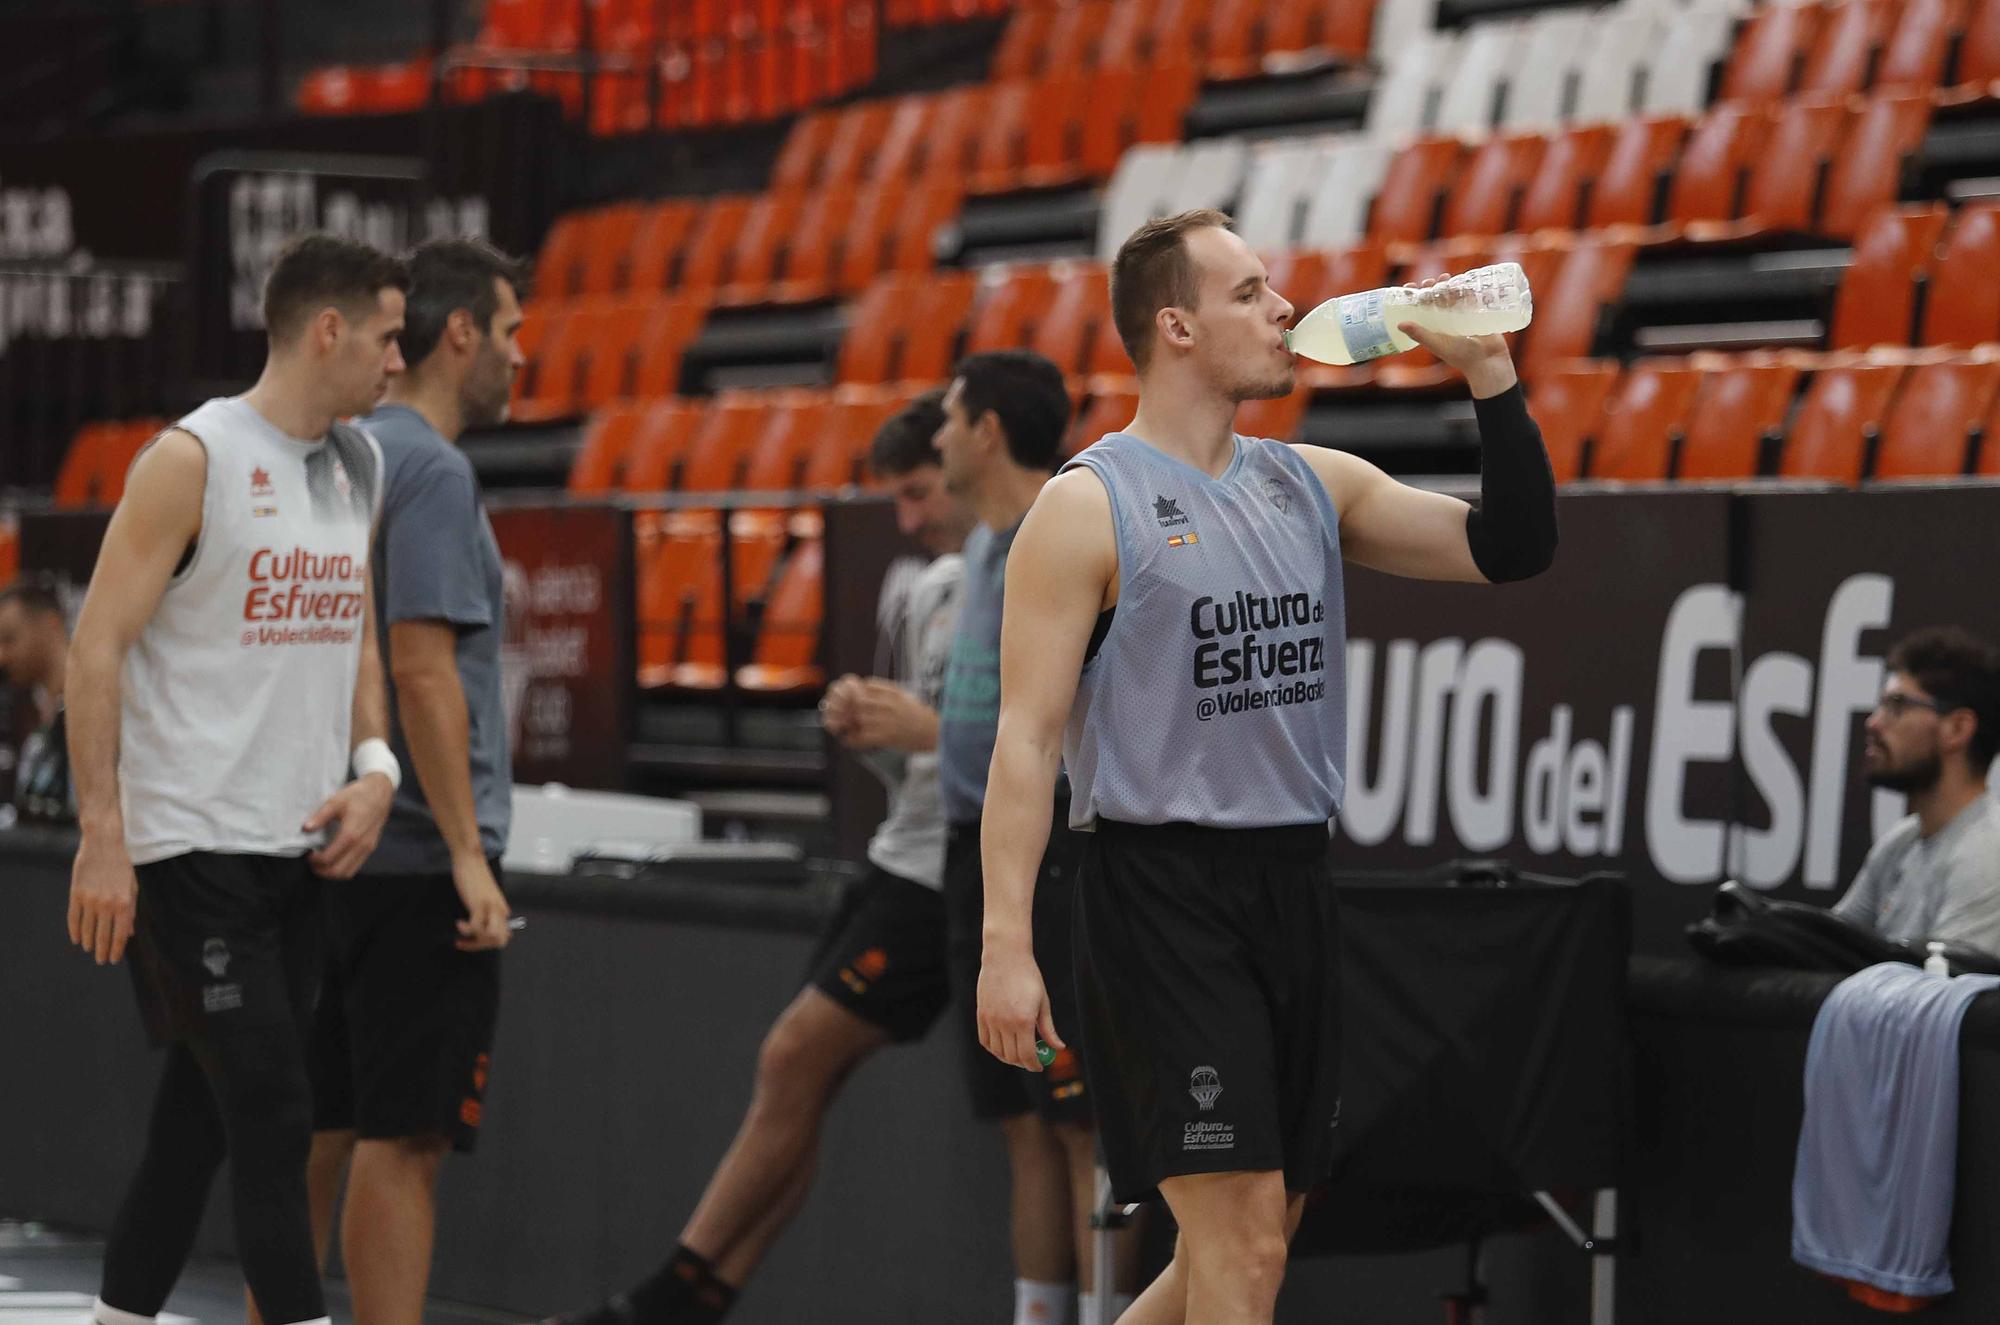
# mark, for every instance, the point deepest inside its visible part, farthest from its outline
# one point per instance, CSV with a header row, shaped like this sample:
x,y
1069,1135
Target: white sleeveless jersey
x,y
238,695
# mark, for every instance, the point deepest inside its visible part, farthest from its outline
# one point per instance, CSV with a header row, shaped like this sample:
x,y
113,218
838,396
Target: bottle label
x,y
1364,325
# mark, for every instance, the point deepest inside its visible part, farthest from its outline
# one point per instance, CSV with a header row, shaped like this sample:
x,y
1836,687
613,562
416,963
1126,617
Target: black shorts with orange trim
x,y
882,955
1058,1093
402,1041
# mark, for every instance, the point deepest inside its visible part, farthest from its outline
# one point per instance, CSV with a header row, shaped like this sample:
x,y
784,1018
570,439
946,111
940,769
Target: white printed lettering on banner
x,y
1453,737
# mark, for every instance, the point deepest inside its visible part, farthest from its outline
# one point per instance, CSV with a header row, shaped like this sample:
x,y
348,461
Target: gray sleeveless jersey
x,y
1218,695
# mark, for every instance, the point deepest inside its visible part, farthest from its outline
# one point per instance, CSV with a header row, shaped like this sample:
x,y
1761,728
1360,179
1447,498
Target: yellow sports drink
x,y
1355,328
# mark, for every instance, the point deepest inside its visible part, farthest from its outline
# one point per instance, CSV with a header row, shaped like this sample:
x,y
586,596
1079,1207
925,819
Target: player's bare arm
x,y
1401,530
1062,572
423,657
155,524
362,806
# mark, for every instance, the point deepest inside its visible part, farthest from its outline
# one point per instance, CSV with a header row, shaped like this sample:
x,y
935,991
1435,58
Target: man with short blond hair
x,y
1175,638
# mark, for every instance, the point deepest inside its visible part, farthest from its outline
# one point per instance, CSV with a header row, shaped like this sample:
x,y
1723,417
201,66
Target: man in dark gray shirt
x,y
402,1048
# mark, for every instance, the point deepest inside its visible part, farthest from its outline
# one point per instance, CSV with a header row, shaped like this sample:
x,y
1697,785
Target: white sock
x,y
1042,1304
104,1314
1086,1306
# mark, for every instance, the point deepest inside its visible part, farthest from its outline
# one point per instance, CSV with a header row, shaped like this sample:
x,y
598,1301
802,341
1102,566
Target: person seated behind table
x,y
34,651
1936,874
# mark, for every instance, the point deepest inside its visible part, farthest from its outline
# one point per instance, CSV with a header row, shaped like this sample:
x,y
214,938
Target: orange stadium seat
x,y
1740,404
1566,320
599,466
903,141
715,238
1074,36
957,125
1868,172
653,462
1129,105
1770,53
1555,196
1069,326
649,334
1632,188
1978,70
1843,407
1542,258
1805,139
547,385
1914,58
559,266
906,325
1008,308
1964,303
777,455
784,660
1716,163
1568,402
1876,303
804,153
837,456
1488,189
1110,402
1644,418
334,89
678,559
658,242
752,260
1231,39
851,146
1024,47
716,452
607,248
1406,206
1935,425
1850,44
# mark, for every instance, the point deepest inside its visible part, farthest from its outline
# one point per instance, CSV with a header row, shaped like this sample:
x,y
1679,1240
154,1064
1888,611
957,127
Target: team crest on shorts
x,y
1205,1084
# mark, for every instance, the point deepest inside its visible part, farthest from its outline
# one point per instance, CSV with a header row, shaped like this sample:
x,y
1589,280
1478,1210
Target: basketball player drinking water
x,y
1174,634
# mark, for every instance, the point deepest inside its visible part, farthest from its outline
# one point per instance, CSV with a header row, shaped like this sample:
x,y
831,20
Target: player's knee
x,y
265,1098
790,1073
1252,1258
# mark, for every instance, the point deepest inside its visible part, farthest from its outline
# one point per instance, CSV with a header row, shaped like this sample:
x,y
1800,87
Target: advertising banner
x,y
567,665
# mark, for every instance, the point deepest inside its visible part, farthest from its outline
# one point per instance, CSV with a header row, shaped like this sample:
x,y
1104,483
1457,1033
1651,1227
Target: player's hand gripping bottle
x,y
1355,328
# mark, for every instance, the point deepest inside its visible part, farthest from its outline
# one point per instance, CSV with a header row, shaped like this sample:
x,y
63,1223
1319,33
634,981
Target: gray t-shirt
x,y
918,613
436,560
1946,887
970,715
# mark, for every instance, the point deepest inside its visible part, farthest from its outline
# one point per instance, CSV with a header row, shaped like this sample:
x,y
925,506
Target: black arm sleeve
x,y
1512,531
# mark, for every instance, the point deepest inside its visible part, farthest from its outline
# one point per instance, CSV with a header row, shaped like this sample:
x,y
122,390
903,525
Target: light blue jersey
x,y
1219,693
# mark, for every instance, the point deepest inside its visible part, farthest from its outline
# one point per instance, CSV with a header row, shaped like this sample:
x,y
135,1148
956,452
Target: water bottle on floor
x,y
1355,328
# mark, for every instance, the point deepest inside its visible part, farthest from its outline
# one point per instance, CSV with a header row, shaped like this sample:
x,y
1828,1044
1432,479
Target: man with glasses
x,y
1933,734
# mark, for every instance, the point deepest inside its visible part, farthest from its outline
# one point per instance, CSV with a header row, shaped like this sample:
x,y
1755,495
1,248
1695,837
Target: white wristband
x,y
374,756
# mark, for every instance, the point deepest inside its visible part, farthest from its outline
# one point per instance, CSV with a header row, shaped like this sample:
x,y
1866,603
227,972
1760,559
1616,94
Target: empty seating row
x,y
1922,274
587,351
912,328
790,245
791,440
1063,128
1878,414
767,618
1226,39
1808,165
709,63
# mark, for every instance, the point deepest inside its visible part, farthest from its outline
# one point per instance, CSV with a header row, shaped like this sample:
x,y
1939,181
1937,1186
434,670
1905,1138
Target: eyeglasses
x,y
1895,706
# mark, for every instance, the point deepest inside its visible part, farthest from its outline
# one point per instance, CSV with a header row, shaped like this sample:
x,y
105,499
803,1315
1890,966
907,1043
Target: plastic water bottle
x,y
1355,328
1937,963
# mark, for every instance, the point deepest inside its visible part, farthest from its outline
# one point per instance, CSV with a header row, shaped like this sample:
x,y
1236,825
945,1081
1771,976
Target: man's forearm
x,y
1512,533
438,728
92,705
1014,832
371,697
